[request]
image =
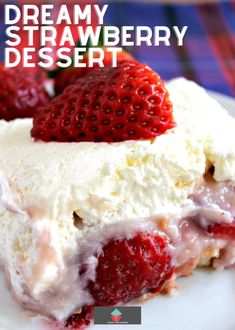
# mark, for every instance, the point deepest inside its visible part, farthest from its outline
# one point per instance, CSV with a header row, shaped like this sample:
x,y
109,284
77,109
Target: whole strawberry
x,y
21,93
129,102
69,76
129,268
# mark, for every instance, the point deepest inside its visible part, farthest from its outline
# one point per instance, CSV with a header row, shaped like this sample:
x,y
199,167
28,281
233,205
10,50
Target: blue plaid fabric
x,y
208,53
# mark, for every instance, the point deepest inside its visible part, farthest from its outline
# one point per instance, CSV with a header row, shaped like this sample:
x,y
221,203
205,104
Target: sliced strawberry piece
x,y
69,76
80,321
223,230
129,268
21,93
129,102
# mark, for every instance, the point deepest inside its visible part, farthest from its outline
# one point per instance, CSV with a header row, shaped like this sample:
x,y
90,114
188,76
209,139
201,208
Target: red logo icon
x,y
116,315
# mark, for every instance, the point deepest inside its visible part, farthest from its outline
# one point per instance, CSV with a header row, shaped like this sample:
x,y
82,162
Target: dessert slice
x,y
97,223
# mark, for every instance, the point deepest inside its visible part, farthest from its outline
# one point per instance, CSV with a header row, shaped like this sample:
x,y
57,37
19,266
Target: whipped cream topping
x,y
121,180
43,184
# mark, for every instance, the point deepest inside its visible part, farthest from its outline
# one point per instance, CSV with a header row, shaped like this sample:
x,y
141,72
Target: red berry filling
x,y
130,268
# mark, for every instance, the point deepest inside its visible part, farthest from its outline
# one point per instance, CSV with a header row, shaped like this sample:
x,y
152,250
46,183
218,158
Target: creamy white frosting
x,y
42,184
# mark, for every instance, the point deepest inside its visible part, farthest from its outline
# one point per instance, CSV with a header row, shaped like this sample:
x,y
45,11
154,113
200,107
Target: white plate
x,y
205,301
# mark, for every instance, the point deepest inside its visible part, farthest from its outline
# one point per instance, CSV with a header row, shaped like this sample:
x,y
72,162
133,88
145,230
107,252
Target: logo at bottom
x,y
116,315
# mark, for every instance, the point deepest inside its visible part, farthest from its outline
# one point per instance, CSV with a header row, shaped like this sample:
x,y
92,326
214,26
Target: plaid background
x,y
208,53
